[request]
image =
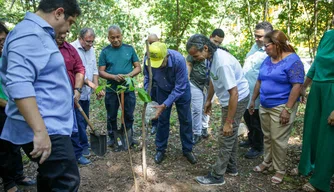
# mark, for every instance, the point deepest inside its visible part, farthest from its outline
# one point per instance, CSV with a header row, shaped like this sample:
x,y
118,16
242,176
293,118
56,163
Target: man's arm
x,y
189,67
3,102
136,70
79,71
42,144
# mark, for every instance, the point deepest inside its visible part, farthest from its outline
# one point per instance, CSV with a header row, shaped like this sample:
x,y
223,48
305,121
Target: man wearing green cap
x,y
171,77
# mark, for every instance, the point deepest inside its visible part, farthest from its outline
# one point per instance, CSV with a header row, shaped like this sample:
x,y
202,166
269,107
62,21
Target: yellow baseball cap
x,y
158,52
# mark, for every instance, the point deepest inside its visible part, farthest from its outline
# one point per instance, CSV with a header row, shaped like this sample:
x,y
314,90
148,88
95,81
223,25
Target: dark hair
x,y
71,7
281,41
265,25
198,41
3,28
86,30
218,32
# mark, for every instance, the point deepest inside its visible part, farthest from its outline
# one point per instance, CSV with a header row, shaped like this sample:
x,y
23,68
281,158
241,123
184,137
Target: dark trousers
x,y
11,167
154,98
255,134
60,171
112,105
82,124
184,115
75,139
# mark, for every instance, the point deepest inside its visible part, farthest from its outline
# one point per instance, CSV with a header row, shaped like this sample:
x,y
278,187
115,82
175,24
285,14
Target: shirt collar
x,y
65,45
169,62
41,22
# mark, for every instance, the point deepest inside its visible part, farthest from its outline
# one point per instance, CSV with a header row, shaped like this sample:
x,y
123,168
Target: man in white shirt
x,y
231,88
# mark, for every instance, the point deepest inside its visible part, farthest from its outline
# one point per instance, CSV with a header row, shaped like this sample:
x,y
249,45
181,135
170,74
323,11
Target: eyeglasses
x,y
89,42
267,45
258,36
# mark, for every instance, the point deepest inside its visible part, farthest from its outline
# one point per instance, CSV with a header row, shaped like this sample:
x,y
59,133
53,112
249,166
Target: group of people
x,y
45,79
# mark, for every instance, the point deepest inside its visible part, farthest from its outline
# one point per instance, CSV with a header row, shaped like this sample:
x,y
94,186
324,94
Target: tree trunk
x,y
289,18
178,38
265,10
249,20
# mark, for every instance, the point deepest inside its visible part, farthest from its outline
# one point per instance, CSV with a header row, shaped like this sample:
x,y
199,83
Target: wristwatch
x,y
289,110
78,89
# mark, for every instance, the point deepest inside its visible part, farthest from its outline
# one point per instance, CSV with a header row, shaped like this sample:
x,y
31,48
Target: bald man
x,y
152,38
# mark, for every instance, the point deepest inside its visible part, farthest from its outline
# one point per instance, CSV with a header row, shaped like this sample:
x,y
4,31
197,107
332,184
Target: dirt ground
x,y
112,173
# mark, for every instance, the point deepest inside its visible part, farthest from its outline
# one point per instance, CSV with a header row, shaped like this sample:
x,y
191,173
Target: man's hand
x,y
284,117
160,109
119,77
100,95
331,119
77,95
228,129
251,107
42,146
208,108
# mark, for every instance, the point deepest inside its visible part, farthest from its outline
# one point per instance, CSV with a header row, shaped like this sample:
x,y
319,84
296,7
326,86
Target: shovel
x,y
98,142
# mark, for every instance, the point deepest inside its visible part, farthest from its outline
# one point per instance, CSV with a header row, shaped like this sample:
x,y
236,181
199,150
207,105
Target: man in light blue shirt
x,y
253,61
40,105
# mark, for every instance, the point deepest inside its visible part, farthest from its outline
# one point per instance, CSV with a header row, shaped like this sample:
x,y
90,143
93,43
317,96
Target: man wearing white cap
x,y
171,77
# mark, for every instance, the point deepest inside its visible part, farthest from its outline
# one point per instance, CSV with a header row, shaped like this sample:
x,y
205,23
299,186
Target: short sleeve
x,y
102,59
227,77
134,56
296,72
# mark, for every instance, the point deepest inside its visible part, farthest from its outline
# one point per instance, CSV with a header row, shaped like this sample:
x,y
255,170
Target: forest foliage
x,y
304,21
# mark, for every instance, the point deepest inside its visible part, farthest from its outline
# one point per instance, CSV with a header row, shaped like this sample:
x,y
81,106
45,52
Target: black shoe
x,y
205,133
196,139
30,182
210,180
253,153
159,157
232,172
154,130
244,144
190,157
135,143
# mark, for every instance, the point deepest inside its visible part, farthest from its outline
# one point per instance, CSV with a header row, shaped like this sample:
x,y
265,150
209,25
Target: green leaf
x,y
99,89
121,88
143,95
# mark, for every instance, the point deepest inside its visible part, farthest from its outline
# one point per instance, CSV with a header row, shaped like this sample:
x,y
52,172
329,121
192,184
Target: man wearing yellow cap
x,y
171,77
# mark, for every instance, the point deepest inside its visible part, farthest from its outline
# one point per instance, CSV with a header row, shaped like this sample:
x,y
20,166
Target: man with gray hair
x,y
253,61
84,46
118,61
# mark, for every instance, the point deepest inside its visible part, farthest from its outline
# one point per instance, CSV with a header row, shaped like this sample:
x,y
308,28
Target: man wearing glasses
x,y
253,61
84,46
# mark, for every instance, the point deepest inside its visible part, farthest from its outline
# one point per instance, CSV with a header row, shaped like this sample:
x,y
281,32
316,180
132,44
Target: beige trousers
x,y
276,135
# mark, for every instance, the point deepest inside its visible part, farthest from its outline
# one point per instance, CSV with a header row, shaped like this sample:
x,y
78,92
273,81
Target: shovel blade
x,y
98,144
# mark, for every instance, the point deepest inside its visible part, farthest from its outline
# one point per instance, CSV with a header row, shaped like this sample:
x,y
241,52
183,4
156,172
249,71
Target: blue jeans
x,y
82,124
184,115
112,105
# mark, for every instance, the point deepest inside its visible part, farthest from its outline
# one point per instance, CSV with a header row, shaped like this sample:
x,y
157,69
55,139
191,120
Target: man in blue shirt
x,y
117,61
171,77
40,105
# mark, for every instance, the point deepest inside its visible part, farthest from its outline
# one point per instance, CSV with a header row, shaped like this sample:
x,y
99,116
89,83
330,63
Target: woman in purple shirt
x,y
279,83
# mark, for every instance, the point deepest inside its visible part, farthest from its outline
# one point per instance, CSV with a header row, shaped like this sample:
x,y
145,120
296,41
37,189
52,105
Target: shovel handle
x,y
84,115
122,105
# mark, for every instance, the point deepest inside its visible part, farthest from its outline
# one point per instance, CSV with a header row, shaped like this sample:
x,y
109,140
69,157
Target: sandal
x,y
309,187
277,178
262,167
